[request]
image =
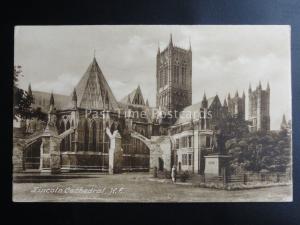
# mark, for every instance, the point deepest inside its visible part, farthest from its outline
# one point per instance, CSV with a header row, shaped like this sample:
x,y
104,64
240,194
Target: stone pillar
x,y
214,164
17,158
115,152
118,155
50,154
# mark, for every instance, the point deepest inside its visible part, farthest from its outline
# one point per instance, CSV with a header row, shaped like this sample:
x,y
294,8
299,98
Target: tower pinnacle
x,y
29,92
225,103
268,87
228,97
171,40
259,85
236,93
204,101
51,99
74,98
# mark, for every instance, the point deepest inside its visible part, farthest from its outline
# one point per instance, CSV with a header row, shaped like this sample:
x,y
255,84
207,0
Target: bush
x,y
184,176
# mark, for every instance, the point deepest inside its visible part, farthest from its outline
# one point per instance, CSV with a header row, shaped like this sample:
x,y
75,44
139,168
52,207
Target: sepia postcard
x,y
152,113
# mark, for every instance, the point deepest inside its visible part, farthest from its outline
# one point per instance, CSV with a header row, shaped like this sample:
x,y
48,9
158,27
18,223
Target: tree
x,y
22,101
270,151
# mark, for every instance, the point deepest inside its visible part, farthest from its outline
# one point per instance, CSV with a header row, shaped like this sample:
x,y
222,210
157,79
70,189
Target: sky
x,y
225,59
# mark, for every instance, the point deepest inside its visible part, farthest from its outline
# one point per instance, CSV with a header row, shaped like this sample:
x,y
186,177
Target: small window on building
x,y
202,124
183,142
184,159
190,141
207,141
189,159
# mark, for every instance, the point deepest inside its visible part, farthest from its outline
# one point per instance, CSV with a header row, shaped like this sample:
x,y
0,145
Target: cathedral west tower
x,y
259,109
173,77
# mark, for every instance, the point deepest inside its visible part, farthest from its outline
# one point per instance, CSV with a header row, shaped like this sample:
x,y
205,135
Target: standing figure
x,y
173,174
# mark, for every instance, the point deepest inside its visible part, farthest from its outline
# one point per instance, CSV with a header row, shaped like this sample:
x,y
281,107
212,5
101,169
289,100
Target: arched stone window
x,y
61,130
94,136
68,141
101,136
106,102
72,138
183,75
86,136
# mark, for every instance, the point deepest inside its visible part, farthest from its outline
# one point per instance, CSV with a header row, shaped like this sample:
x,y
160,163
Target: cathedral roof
x,y
93,91
41,99
134,97
184,115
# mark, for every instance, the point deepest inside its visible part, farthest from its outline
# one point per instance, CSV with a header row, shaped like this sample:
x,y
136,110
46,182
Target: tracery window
x,y
94,136
86,136
67,141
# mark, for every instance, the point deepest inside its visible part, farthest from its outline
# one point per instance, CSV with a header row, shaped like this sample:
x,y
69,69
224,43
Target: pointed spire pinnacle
x,y
225,103
283,124
171,40
94,53
29,92
283,119
259,85
51,108
228,97
74,96
268,86
190,46
158,48
204,101
147,102
236,94
249,89
128,100
244,96
51,99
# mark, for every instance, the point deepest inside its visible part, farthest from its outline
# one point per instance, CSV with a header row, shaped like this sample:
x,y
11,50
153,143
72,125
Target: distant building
x,y
236,105
259,108
173,77
286,125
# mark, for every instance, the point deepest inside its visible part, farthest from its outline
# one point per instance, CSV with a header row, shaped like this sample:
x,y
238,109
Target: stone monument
x,y
217,160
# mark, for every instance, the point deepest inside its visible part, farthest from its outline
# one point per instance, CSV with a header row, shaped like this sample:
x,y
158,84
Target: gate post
x,y
115,152
50,154
18,157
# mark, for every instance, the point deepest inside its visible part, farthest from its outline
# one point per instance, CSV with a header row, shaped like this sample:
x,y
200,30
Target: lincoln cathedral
x,y
91,130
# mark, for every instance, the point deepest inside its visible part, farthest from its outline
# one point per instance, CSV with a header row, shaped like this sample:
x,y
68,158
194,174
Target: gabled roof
x,y
212,100
184,115
93,91
42,100
133,96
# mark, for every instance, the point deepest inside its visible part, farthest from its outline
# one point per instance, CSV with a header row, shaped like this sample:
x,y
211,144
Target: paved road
x,y
136,187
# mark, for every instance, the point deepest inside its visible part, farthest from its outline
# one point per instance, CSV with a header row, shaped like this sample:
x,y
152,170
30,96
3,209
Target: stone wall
x,y
160,148
17,158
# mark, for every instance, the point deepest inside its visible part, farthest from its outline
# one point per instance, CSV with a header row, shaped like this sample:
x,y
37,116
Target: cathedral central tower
x,y
173,77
